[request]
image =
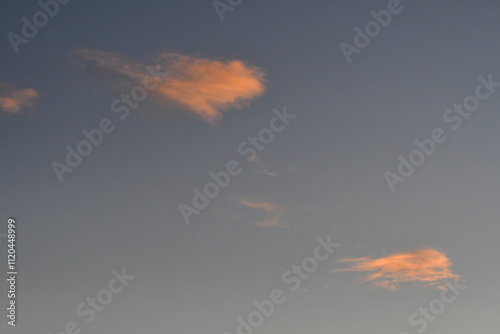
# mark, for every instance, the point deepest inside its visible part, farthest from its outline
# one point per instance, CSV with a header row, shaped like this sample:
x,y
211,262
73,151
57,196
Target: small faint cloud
x,y
274,211
428,267
262,168
266,206
111,61
13,101
203,86
268,173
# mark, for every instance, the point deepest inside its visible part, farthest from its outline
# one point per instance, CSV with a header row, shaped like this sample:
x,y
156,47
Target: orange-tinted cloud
x,y
14,101
425,266
274,211
266,206
203,86
262,168
112,61
208,87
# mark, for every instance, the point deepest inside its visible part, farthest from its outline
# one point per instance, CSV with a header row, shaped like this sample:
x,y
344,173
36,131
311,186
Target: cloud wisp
x,y
262,168
266,206
13,101
203,86
427,267
274,211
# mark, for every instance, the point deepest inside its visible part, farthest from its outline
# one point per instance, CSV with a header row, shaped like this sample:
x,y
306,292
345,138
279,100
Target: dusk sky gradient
x,y
322,175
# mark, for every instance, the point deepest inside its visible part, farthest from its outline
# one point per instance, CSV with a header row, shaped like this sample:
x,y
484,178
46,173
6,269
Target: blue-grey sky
x,y
324,174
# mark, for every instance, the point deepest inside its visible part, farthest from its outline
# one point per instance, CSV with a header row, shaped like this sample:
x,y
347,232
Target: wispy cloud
x,y
13,101
262,168
270,222
266,206
200,85
428,267
111,61
274,211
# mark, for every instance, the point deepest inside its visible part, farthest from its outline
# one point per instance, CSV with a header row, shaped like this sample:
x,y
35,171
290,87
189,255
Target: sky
x,y
240,167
